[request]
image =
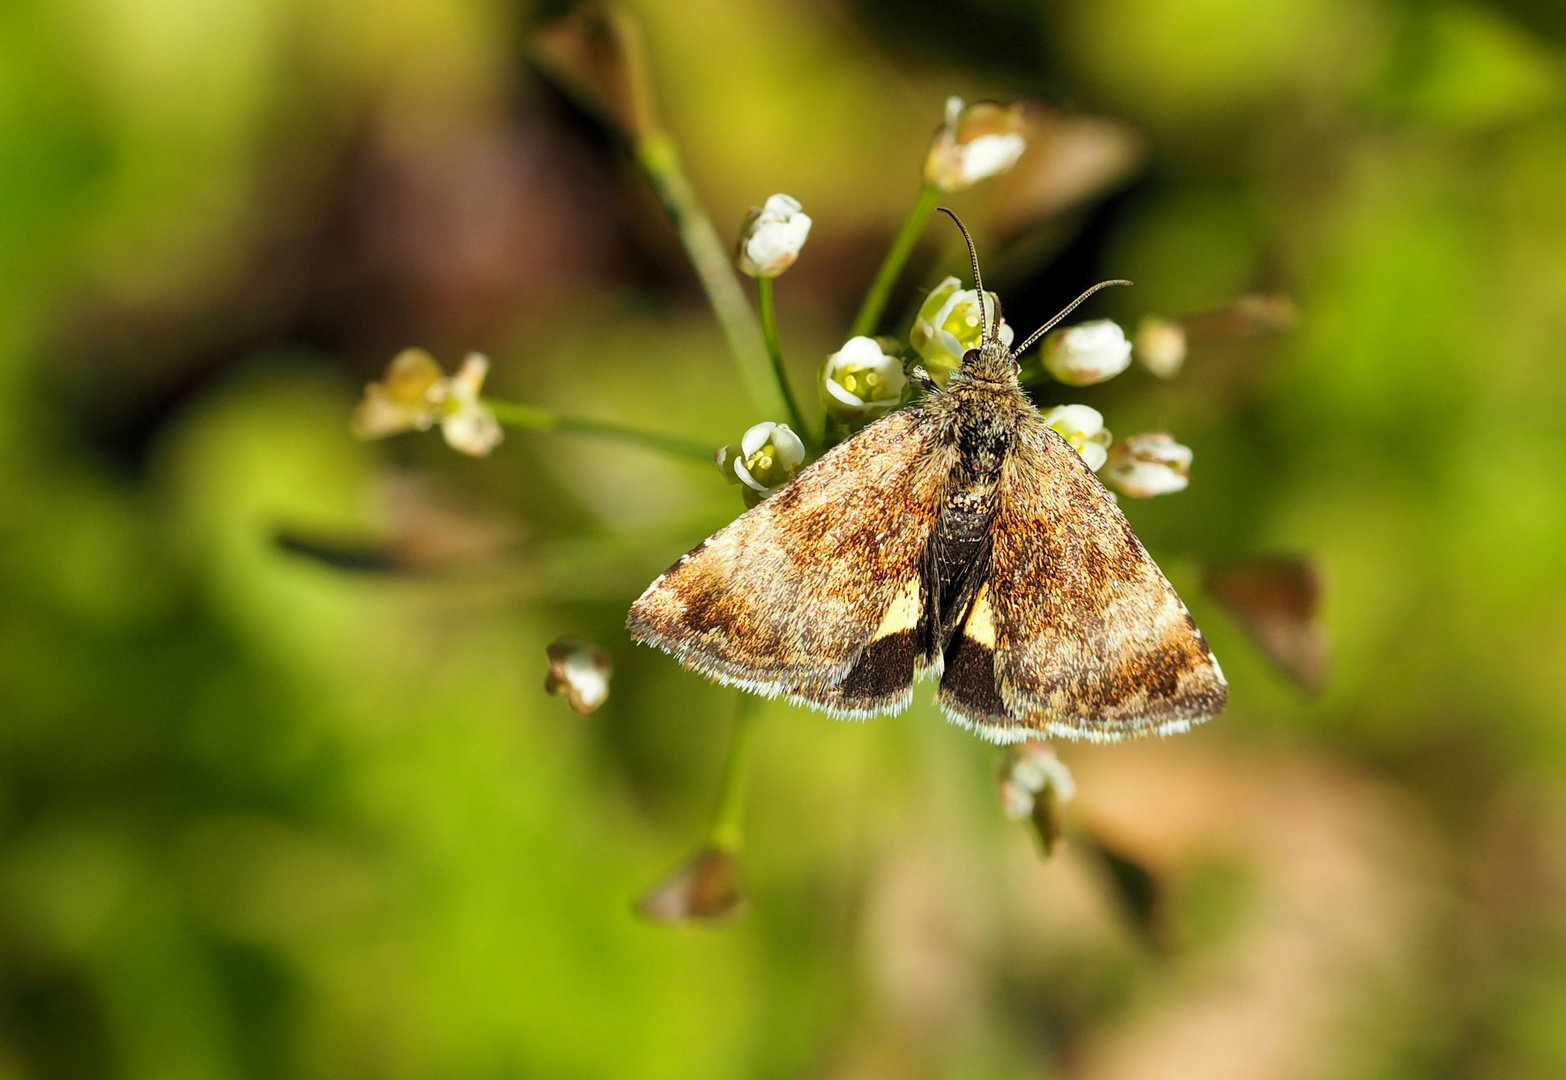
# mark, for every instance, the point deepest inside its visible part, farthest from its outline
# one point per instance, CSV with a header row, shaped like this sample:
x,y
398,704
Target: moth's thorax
x,y
982,417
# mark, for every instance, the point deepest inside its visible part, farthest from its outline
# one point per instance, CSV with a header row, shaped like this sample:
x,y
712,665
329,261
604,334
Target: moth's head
x,y
992,361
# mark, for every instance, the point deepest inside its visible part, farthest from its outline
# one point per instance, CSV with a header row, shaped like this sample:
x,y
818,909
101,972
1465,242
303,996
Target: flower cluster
x,y
1143,465
594,55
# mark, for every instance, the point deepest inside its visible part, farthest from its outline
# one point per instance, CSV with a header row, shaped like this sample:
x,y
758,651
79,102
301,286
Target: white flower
x,y
1087,353
948,325
763,460
1083,427
579,671
862,379
467,423
415,394
1160,346
976,142
1147,465
772,236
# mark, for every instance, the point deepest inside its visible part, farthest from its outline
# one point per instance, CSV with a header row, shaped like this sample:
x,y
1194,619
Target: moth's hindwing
x,y
1076,632
814,594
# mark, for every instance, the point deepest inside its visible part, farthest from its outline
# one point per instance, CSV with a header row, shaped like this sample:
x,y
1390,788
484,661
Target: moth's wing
x,y
1075,632
814,593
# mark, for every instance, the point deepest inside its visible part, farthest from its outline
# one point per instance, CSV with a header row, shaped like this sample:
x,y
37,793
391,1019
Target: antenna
x,y
978,282
1047,327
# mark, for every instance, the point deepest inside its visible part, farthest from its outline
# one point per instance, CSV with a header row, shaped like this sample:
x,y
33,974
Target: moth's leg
x,y
921,380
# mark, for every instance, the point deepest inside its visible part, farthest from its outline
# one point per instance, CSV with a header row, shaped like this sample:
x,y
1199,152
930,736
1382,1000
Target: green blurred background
x,y
262,816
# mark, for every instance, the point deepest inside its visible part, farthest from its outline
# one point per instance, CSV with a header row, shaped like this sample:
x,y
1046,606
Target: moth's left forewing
x,y
1089,638
814,594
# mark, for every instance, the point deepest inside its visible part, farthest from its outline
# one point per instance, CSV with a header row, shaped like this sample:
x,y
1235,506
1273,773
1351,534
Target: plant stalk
x,y
531,416
892,266
660,160
769,331
728,823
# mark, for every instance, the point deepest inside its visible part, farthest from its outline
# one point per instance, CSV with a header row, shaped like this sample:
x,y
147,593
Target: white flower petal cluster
x,y
1147,465
579,671
414,394
975,142
863,379
1083,427
764,459
949,324
771,237
1087,353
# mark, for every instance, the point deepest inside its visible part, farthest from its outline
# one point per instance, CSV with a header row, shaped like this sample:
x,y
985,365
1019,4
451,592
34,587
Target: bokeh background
x,y
264,814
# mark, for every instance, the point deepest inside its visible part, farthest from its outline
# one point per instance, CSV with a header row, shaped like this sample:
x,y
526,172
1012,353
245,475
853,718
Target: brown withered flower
x,y
706,889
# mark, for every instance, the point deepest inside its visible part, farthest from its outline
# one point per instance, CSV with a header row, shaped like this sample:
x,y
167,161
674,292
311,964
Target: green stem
x,y
660,160
881,288
769,331
531,416
728,824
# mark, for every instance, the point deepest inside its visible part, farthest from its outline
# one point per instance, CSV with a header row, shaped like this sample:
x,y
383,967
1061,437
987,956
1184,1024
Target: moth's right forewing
x,y
1090,639
807,594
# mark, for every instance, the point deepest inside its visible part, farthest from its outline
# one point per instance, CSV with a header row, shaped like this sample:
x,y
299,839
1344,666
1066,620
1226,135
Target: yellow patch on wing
x,y
903,612
981,623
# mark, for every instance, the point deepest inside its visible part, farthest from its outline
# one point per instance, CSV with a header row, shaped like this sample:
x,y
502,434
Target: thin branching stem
x,y
869,316
660,160
769,331
728,824
531,416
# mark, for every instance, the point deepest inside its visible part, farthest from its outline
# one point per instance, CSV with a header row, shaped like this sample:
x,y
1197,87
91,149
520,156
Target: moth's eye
x,y
1015,367
970,357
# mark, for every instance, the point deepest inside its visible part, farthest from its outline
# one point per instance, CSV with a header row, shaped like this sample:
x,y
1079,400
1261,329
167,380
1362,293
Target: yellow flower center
x,y
963,324
861,382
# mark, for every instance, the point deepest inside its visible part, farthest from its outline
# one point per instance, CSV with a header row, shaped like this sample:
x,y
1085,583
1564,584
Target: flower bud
x,y
579,672
1147,465
1035,785
1087,353
982,140
772,236
705,889
949,324
1160,346
764,460
1083,427
863,379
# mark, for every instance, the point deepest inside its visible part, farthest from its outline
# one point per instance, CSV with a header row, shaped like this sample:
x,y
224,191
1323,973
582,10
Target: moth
x,y
959,538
